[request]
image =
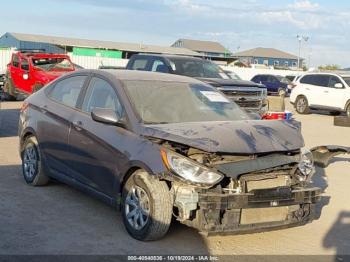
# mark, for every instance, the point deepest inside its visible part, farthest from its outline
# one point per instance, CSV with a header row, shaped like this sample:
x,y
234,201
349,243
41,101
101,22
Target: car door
x,y
264,80
53,127
26,80
94,162
315,88
15,71
274,84
335,96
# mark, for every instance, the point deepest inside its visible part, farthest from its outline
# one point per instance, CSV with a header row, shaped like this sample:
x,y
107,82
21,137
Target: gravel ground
x,y
57,219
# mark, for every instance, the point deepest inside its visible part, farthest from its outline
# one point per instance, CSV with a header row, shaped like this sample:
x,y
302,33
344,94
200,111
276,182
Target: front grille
x,y
248,104
232,93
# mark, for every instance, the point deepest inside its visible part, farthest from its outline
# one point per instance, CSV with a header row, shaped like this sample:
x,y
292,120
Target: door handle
x,y
78,125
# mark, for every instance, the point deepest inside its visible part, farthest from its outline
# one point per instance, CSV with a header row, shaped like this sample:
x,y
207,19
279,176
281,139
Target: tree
x,y
329,67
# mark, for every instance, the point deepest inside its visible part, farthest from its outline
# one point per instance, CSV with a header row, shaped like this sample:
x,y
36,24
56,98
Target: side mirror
x,y
338,85
106,116
25,76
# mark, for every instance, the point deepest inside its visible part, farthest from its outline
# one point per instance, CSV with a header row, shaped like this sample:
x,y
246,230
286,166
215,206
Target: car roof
x,y
172,56
41,55
128,75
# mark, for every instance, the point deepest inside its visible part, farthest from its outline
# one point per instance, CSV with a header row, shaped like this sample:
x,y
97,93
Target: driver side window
x,y
101,94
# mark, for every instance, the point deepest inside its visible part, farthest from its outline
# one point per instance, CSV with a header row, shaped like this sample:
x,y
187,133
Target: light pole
x,y
300,39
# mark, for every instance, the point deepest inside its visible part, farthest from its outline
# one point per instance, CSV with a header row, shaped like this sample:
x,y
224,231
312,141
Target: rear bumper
x,y
263,210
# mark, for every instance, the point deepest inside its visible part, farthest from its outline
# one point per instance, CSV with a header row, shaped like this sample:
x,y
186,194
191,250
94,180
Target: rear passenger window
x,y
139,64
67,91
101,94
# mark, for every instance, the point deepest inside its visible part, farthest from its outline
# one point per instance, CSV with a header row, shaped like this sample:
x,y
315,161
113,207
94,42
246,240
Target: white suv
x,y
327,91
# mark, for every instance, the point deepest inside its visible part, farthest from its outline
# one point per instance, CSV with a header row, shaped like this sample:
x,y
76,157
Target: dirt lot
x,y
57,219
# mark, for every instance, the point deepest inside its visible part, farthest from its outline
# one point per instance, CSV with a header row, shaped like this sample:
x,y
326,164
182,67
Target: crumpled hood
x,y
218,82
235,137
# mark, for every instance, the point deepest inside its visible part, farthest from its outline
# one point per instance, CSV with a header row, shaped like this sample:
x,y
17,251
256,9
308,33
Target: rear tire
x,y
302,105
147,207
32,165
348,110
36,88
9,93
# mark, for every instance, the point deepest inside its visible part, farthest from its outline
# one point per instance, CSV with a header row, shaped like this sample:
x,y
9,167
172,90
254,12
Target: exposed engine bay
x,y
256,192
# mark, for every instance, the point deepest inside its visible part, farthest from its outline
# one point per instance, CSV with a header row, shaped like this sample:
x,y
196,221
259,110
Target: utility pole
x,y
300,39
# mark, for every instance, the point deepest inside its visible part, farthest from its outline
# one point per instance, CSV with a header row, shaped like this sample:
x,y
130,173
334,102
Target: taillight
x,y
24,106
277,116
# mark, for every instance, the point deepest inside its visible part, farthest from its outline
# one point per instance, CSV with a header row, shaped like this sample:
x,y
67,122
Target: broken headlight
x,y
189,169
306,165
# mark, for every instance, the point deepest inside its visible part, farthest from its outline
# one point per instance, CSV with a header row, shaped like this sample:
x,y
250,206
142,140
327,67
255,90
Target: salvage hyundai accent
x,y
159,145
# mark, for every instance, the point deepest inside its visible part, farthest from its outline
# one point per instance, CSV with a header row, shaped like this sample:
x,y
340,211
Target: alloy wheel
x,y
301,104
30,162
137,207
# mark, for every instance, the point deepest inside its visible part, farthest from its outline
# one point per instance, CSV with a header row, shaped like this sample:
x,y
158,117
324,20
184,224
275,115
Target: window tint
x,y
334,80
101,94
263,78
139,64
256,78
67,91
15,61
272,79
25,64
317,80
159,66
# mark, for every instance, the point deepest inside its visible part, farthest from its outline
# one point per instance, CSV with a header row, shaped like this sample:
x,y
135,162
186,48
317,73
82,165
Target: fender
x,y
323,154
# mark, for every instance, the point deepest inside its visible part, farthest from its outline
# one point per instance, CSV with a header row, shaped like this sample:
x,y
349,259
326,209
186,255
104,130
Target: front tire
x,y
348,110
32,165
282,92
302,105
147,207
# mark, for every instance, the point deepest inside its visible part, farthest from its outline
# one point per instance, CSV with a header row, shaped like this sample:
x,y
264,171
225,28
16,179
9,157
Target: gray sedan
x,y
158,145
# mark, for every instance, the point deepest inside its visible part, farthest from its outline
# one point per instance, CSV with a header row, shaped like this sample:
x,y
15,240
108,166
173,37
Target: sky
x,y
238,25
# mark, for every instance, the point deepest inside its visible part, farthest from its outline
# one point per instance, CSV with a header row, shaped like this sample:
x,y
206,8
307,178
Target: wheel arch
x,y
347,104
25,134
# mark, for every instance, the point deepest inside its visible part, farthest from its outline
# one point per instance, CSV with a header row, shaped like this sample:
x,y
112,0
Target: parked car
x,y
293,78
275,84
326,91
248,95
30,70
2,81
160,145
110,67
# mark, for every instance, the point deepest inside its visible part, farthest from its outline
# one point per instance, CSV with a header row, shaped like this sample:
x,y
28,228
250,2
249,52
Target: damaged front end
x,y
244,193
323,154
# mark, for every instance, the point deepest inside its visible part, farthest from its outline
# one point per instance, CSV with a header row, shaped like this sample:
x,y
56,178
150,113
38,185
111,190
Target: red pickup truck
x,y
29,71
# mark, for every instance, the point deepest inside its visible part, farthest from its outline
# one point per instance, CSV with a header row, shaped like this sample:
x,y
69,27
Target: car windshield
x,y
283,79
53,64
158,102
197,68
347,80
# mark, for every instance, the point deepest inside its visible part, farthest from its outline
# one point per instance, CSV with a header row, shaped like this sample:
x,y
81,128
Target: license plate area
x,y
264,215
